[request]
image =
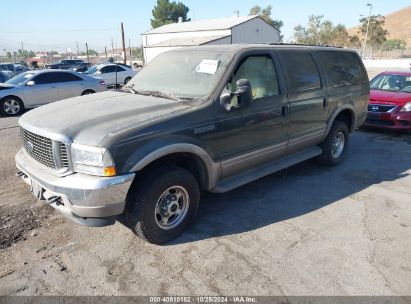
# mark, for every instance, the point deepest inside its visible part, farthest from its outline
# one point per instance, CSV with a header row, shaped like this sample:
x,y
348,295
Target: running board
x,y
264,170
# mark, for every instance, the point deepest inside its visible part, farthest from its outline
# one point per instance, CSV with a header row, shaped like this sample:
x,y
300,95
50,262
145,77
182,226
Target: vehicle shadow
x,y
300,189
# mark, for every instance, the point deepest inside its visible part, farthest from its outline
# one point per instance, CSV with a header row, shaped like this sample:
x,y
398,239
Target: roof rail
x,y
302,44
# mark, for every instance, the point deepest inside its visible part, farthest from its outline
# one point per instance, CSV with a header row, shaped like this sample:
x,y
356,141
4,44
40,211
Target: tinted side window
x,y
260,72
108,69
44,78
302,71
119,69
65,77
343,68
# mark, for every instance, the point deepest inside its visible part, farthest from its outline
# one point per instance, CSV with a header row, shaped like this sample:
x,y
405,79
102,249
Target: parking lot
x,y
309,230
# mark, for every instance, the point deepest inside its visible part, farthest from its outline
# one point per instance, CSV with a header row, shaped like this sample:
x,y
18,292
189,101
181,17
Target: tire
x,y
87,92
11,106
335,145
162,204
127,80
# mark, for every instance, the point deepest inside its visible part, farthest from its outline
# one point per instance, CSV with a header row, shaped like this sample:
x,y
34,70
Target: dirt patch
x,y
18,226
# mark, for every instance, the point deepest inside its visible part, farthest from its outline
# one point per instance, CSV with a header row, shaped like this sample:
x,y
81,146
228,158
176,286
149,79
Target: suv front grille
x,y
380,108
41,149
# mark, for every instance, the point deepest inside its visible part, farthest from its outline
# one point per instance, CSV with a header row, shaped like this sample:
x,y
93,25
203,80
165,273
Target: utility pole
x,y
124,44
22,49
366,33
78,52
88,58
105,50
129,46
112,49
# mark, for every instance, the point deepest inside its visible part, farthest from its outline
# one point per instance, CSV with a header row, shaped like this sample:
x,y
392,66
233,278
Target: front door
x,y
43,91
246,137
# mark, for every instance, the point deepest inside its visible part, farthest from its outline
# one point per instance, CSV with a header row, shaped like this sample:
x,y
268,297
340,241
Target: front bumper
x,y
88,200
395,120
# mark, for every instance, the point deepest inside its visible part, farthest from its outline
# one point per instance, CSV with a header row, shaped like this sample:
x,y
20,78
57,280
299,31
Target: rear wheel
x,y
87,92
11,106
162,203
335,145
127,80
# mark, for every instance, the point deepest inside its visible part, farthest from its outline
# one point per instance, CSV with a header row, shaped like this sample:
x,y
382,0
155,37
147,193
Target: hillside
x,y
398,25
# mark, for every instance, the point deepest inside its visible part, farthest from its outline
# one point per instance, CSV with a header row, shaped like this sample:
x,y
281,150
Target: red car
x,y
389,103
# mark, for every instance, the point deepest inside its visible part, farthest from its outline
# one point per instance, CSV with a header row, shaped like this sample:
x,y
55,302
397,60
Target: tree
x,y
91,52
265,13
394,44
354,42
377,35
319,32
137,53
9,55
166,12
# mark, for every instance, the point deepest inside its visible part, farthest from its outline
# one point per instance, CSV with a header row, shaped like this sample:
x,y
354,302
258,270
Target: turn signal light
x,y
109,171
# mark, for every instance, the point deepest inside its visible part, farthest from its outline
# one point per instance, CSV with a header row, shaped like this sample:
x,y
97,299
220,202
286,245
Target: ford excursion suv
x,y
202,118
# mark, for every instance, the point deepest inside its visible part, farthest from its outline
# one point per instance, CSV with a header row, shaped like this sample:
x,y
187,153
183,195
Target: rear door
x,y
68,85
307,98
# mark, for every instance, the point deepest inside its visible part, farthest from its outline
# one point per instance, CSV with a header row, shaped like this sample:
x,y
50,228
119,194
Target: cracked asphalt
x,y
308,230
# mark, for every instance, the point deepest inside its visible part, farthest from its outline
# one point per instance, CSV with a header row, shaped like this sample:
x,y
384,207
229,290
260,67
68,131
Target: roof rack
x,y
302,44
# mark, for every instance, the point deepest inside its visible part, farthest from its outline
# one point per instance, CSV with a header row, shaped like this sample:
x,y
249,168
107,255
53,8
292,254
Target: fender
x,y
338,111
213,169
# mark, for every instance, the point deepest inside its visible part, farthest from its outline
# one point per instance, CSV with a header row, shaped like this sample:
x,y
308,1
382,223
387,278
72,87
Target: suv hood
x,y
397,98
95,118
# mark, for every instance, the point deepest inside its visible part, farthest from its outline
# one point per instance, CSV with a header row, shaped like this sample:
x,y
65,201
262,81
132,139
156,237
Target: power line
x,y
62,31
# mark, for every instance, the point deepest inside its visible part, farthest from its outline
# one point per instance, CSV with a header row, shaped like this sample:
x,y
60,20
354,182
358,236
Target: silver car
x,y
35,88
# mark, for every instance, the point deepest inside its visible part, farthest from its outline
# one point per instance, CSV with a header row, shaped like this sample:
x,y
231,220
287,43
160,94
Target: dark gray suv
x,y
204,118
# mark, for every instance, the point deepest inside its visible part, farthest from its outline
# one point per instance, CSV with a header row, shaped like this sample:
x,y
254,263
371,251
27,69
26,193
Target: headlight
x,y
92,160
406,108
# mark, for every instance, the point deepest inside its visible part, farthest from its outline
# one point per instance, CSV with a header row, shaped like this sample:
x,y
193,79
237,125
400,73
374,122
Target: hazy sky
x,y
53,24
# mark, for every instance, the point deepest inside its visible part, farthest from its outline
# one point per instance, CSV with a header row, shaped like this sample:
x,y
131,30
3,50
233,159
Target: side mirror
x,y
30,83
243,93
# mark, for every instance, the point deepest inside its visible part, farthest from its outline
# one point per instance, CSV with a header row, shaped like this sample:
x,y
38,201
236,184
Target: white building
x,y
248,29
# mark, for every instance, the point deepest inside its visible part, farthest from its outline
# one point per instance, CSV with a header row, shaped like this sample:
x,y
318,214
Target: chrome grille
x,y
41,148
380,108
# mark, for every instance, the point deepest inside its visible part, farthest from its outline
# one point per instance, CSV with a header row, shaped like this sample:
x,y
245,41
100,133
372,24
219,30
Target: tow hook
x,y
20,174
54,199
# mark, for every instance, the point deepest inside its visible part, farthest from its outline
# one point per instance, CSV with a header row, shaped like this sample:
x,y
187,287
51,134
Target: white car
x,y
35,88
111,73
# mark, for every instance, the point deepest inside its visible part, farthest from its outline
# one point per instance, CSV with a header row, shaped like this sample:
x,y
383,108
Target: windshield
x,y
188,74
20,79
391,82
91,70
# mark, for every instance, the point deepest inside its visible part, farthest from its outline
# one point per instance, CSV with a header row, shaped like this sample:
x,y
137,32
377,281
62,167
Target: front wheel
x,y
335,145
11,106
162,203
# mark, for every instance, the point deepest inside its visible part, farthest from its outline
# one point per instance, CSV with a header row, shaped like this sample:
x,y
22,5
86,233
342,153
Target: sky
x,y
58,25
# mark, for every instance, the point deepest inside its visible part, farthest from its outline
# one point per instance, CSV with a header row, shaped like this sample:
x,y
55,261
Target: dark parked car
x,y
218,118
68,64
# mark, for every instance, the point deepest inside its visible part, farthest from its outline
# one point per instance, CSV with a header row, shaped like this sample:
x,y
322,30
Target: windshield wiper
x,y
156,94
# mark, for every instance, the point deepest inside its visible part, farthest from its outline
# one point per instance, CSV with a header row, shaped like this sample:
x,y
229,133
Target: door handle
x,y
285,110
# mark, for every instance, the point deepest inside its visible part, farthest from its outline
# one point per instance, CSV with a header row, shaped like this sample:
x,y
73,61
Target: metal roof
x,y
201,25
187,41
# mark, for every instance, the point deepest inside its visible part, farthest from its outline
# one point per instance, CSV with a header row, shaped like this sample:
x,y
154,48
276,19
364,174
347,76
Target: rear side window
x,y
66,77
343,68
302,71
